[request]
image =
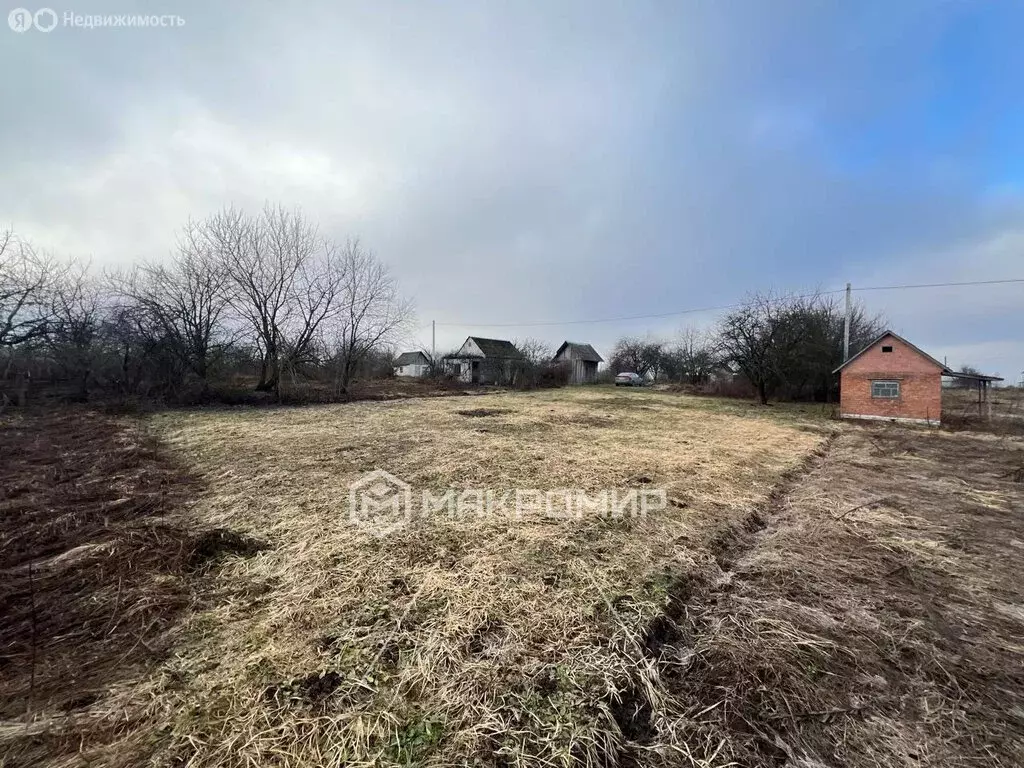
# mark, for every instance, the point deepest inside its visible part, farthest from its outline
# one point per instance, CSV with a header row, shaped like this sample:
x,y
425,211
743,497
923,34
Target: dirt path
x,y
876,615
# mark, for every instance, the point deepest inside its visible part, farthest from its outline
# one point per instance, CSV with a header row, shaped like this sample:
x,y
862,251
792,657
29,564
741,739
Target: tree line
x,y
784,347
258,300
265,302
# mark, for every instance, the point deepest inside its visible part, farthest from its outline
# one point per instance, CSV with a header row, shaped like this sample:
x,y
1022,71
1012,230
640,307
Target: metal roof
x,y
970,376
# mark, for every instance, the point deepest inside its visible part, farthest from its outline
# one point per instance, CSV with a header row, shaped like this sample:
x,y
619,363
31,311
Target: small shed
x,y
892,380
412,364
484,361
581,359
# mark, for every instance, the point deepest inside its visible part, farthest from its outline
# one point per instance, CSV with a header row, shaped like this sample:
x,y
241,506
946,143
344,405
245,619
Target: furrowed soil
x,y
878,618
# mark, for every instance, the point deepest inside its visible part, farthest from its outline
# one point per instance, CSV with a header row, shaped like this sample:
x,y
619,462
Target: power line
x,y
938,285
596,320
697,310
627,317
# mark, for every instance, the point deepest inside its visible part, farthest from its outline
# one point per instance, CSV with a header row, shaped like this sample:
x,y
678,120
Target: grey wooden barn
x,y
581,359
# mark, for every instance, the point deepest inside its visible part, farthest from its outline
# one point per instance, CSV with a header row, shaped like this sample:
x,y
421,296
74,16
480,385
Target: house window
x,y
887,349
888,390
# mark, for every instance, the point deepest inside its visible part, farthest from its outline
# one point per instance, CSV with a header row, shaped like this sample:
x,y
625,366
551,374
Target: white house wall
x,y
469,349
416,371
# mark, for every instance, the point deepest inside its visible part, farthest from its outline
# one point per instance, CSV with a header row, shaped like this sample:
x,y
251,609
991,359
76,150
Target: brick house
x,y
892,380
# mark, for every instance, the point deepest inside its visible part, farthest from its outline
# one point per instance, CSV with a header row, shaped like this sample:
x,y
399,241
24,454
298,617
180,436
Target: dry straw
x,y
755,621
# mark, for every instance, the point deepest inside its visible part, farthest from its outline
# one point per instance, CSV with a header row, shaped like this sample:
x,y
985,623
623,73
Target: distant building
x,y
412,364
484,361
892,380
725,372
581,359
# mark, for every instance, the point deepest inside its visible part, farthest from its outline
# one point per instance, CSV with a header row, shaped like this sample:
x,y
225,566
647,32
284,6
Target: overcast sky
x,y
536,161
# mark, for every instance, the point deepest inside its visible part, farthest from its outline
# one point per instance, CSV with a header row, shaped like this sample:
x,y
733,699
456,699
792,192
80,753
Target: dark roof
x,y
945,371
583,351
497,348
412,358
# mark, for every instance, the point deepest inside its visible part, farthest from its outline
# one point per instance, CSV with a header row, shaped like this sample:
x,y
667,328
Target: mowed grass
x,y
493,640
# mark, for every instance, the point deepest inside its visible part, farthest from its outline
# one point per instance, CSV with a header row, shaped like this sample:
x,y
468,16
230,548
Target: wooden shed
x,y
892,380
582,360
484,361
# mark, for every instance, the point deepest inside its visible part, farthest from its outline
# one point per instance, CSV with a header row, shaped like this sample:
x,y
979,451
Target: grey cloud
x,y
517,161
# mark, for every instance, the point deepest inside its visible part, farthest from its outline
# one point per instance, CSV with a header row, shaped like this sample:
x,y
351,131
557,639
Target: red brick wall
x,y
920,383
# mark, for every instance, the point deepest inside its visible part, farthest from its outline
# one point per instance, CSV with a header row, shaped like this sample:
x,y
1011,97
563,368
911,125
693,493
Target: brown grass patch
x,y
875,621
91,578
509,642
1002,413
481,412
806,599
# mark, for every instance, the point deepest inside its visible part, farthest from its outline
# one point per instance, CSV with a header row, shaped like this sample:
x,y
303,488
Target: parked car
x,y
629,379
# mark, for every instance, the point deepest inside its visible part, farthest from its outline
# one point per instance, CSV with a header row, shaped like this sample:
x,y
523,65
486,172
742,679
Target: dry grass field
x,y
812,594
1003,410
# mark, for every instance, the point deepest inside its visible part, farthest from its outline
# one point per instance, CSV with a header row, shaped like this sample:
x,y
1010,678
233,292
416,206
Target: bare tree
x,y
241,292
807,372
641,356
372,313
790,345
535,366
968,370
317,297
693,358
282,279
437,363
76,316
182,301
26,279
535,351
758,337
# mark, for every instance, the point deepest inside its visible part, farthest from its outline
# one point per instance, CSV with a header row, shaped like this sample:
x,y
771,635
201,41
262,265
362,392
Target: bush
x,y
527,375
734,387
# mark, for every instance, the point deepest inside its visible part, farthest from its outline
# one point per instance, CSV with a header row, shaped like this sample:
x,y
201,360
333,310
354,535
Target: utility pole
x,y
846,326
433,343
